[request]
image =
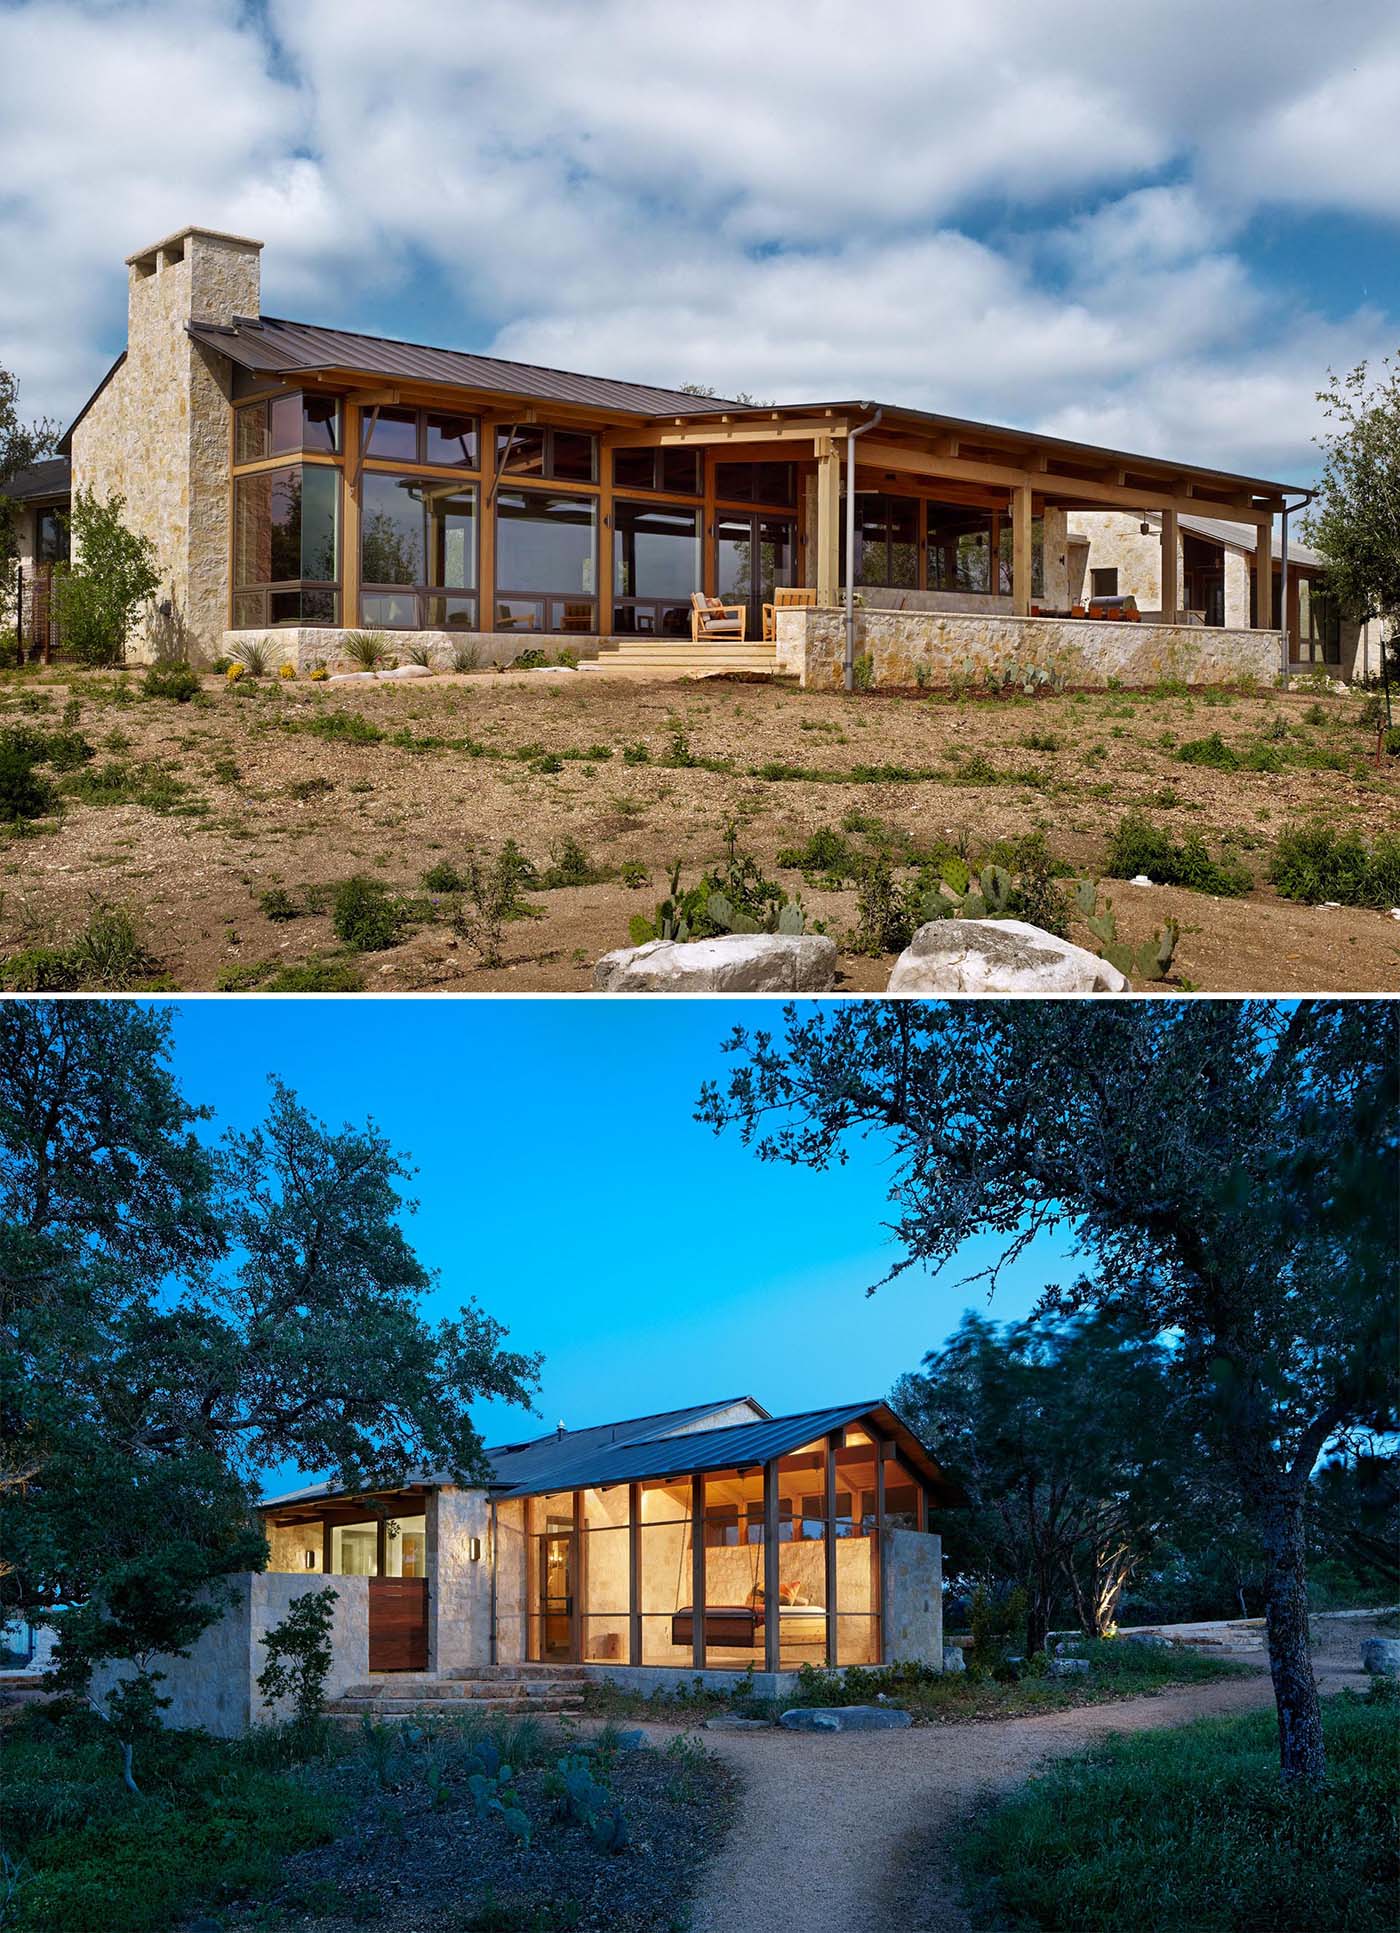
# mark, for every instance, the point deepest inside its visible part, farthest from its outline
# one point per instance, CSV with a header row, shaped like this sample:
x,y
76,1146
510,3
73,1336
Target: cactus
x,y
517,1825
608,1831
996,887
792,919
1148,960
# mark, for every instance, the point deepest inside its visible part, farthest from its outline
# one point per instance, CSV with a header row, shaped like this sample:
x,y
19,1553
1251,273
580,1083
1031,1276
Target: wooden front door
x,y
398,1624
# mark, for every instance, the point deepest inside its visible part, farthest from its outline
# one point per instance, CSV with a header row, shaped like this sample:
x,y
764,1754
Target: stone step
x,y
356,1708
465,1691
513,1674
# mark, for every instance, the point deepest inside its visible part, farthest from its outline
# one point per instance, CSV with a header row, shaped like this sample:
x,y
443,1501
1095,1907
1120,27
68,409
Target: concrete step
x,y
515,1674
357,1708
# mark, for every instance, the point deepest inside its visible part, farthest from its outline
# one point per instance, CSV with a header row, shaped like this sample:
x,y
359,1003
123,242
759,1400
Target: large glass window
x,y
960,538
440,437
355,1550
656,566
1006,542
545,562
1319,622
285,425
417,553
606,1571
286,546
887,541
756,482
676,471
406,1547
50,537
664,1584
533,450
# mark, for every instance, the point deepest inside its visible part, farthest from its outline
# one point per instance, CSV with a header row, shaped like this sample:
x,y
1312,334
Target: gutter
x,y
851,435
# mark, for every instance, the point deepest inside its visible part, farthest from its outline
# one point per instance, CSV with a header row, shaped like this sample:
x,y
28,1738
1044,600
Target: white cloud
x,y
999,211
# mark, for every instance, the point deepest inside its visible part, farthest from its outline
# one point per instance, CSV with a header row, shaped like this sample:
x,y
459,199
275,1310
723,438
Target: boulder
x,y
1068,1668
408,671
733,963
352,678
1153,1640
731,1722
998,956
845,1718
630,1741
953,1659
1381,1657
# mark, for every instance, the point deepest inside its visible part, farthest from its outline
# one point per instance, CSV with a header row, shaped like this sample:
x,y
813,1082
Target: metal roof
x,y
52,477
1244,537
270,345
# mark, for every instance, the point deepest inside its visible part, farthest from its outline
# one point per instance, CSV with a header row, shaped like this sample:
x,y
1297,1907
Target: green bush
x,y
23,793
365,914
1190,1831
443,877
175,681
1315,862
113,574
1138,846
108,956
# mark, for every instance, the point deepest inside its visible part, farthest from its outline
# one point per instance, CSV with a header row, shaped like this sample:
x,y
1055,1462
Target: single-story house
x,y
713,1539
300,482
1113,554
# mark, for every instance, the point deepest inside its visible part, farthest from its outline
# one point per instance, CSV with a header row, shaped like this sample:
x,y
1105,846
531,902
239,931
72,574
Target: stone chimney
x,y
158,432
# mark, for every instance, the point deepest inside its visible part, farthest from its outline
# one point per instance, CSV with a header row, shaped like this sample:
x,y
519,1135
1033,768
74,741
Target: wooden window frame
x,y
249,472
503,435
469,485
369,418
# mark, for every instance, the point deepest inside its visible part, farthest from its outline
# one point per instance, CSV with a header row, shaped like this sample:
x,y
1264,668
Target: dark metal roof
x,y
545,1463
268,345
51,477
1245,537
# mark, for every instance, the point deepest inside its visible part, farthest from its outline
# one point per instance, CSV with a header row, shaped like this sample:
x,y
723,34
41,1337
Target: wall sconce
x,y
309,1559
474,1550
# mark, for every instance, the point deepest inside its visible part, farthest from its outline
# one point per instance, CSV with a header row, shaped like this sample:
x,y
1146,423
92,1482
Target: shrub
x,y
299,1656
365,915
112,575
174,680
466,657
367,649
278,905
490,898
886,913
443,877
253,655
108,956
23,793
1315,862
350,726
1138,846
571,867
320,974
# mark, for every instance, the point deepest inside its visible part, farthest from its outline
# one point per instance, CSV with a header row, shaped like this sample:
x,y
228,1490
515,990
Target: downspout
x,y
494,1571
851,436
1288,509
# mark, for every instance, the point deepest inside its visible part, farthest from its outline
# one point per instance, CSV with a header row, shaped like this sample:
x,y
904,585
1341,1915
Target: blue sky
x,y
1153,227
564,1185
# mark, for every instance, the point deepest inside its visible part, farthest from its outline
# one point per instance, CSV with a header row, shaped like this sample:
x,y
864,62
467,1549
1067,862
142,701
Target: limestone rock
x,y
1381,1657
1068,1668
731,1722
733,963
1153,1640
408,671
953,1659
998,956
845,1718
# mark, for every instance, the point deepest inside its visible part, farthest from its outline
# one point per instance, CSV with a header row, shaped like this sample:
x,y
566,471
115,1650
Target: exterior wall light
x,y
474,1550
309,1558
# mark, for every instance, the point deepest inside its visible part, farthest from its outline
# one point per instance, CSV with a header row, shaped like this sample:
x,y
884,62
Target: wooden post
x,y
828,524
772,1634
1171,607
697,1571
578,1571
634,1574
607,551
1021,550
830,1547
351,462
879,1564
1264,578
486,534
709,517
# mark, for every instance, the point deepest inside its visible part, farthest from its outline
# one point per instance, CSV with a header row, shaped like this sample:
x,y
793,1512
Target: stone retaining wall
x,y
943,648
305,646
912,1582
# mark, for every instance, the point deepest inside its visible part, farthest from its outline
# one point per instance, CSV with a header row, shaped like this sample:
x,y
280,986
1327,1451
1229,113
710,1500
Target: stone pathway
x,y
844,1833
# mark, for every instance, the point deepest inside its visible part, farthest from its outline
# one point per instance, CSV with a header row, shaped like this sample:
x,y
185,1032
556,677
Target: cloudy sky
x,y
1152,225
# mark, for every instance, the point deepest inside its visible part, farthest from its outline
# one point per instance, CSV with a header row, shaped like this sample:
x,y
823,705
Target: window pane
x,y
605,1640
284,424
520,451
391,530
405,1547
634,469
543,543
656,551
449,613
574,458
959,548
773,482
320,424
607,1566
394,435
353,1550
249,609
250,433
680,471
320,522
450,439
451,538
734,482
388,611
267,528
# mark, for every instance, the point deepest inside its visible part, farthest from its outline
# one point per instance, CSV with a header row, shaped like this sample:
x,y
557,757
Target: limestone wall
x,y
1116,543
309,645
459,1589
158,434
511,1587
913,1595
215,1686
940,648
288,1544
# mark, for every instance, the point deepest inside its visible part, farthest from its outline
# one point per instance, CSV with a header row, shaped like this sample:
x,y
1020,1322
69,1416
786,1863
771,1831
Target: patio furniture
x,y
712,618
786,597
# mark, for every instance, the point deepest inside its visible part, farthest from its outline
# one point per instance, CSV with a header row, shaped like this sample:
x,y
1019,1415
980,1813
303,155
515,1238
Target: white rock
x,y
408,671
1381,1657
1067,1668
998,956
351,678
1328,906
953,1659
1394,913
1140,879
733,963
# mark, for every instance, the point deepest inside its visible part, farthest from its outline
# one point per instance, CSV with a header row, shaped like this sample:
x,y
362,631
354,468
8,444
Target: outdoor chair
x,y
711,618
786,597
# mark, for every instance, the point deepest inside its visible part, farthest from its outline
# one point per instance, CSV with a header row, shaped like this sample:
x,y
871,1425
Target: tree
x,y
112,574
1226,1171
1355,522
1069,1440
20,445
180,1313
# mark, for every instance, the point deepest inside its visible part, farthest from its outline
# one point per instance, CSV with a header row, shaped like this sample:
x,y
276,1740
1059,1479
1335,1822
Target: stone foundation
x,y
306,646
941,649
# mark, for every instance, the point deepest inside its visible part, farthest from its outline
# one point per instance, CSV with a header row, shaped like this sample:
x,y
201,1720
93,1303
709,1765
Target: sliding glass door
x,y
753,553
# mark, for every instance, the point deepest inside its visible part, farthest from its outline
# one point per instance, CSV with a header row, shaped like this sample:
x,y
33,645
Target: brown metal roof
x,y
52,476
268,345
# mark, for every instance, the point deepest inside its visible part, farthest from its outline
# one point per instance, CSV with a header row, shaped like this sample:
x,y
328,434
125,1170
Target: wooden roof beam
x,y
1049,483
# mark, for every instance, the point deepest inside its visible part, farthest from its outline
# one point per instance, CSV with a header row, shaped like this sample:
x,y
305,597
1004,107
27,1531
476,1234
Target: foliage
x,y
1316,863
1355,522
490,899
251,656
367,649
21,444
1188,1831
570,865
24,793
299,1656
734,898
112,574
1138,846
108,956
182,1313
1216,1164
365,914
173,679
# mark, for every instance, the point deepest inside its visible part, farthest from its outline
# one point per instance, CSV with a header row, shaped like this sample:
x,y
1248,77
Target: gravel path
x,y
843,1833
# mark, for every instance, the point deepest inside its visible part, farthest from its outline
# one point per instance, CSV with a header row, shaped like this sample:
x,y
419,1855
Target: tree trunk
x,y
1301,1753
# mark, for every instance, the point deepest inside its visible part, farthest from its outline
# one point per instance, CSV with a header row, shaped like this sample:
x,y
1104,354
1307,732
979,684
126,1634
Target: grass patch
x,y
1316,863
120,781
1189,1831
108,956
1140,847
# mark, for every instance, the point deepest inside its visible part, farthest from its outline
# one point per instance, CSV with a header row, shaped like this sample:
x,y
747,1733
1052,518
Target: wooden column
x,y
772,1635
352,431
1264,577
697,1571
828,534
1171,544
709,562
634,1574
381,1547
829,1546
606,547
577,1580
1021,550
880,1546
486,534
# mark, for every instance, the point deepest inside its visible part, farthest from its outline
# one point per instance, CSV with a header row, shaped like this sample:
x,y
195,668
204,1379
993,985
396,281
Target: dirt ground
x,y
268,804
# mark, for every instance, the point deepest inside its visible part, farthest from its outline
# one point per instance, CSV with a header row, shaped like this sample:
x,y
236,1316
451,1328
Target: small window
x,y
676,471
755,482
1104,583
449,440
529,450
392,435
285,425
